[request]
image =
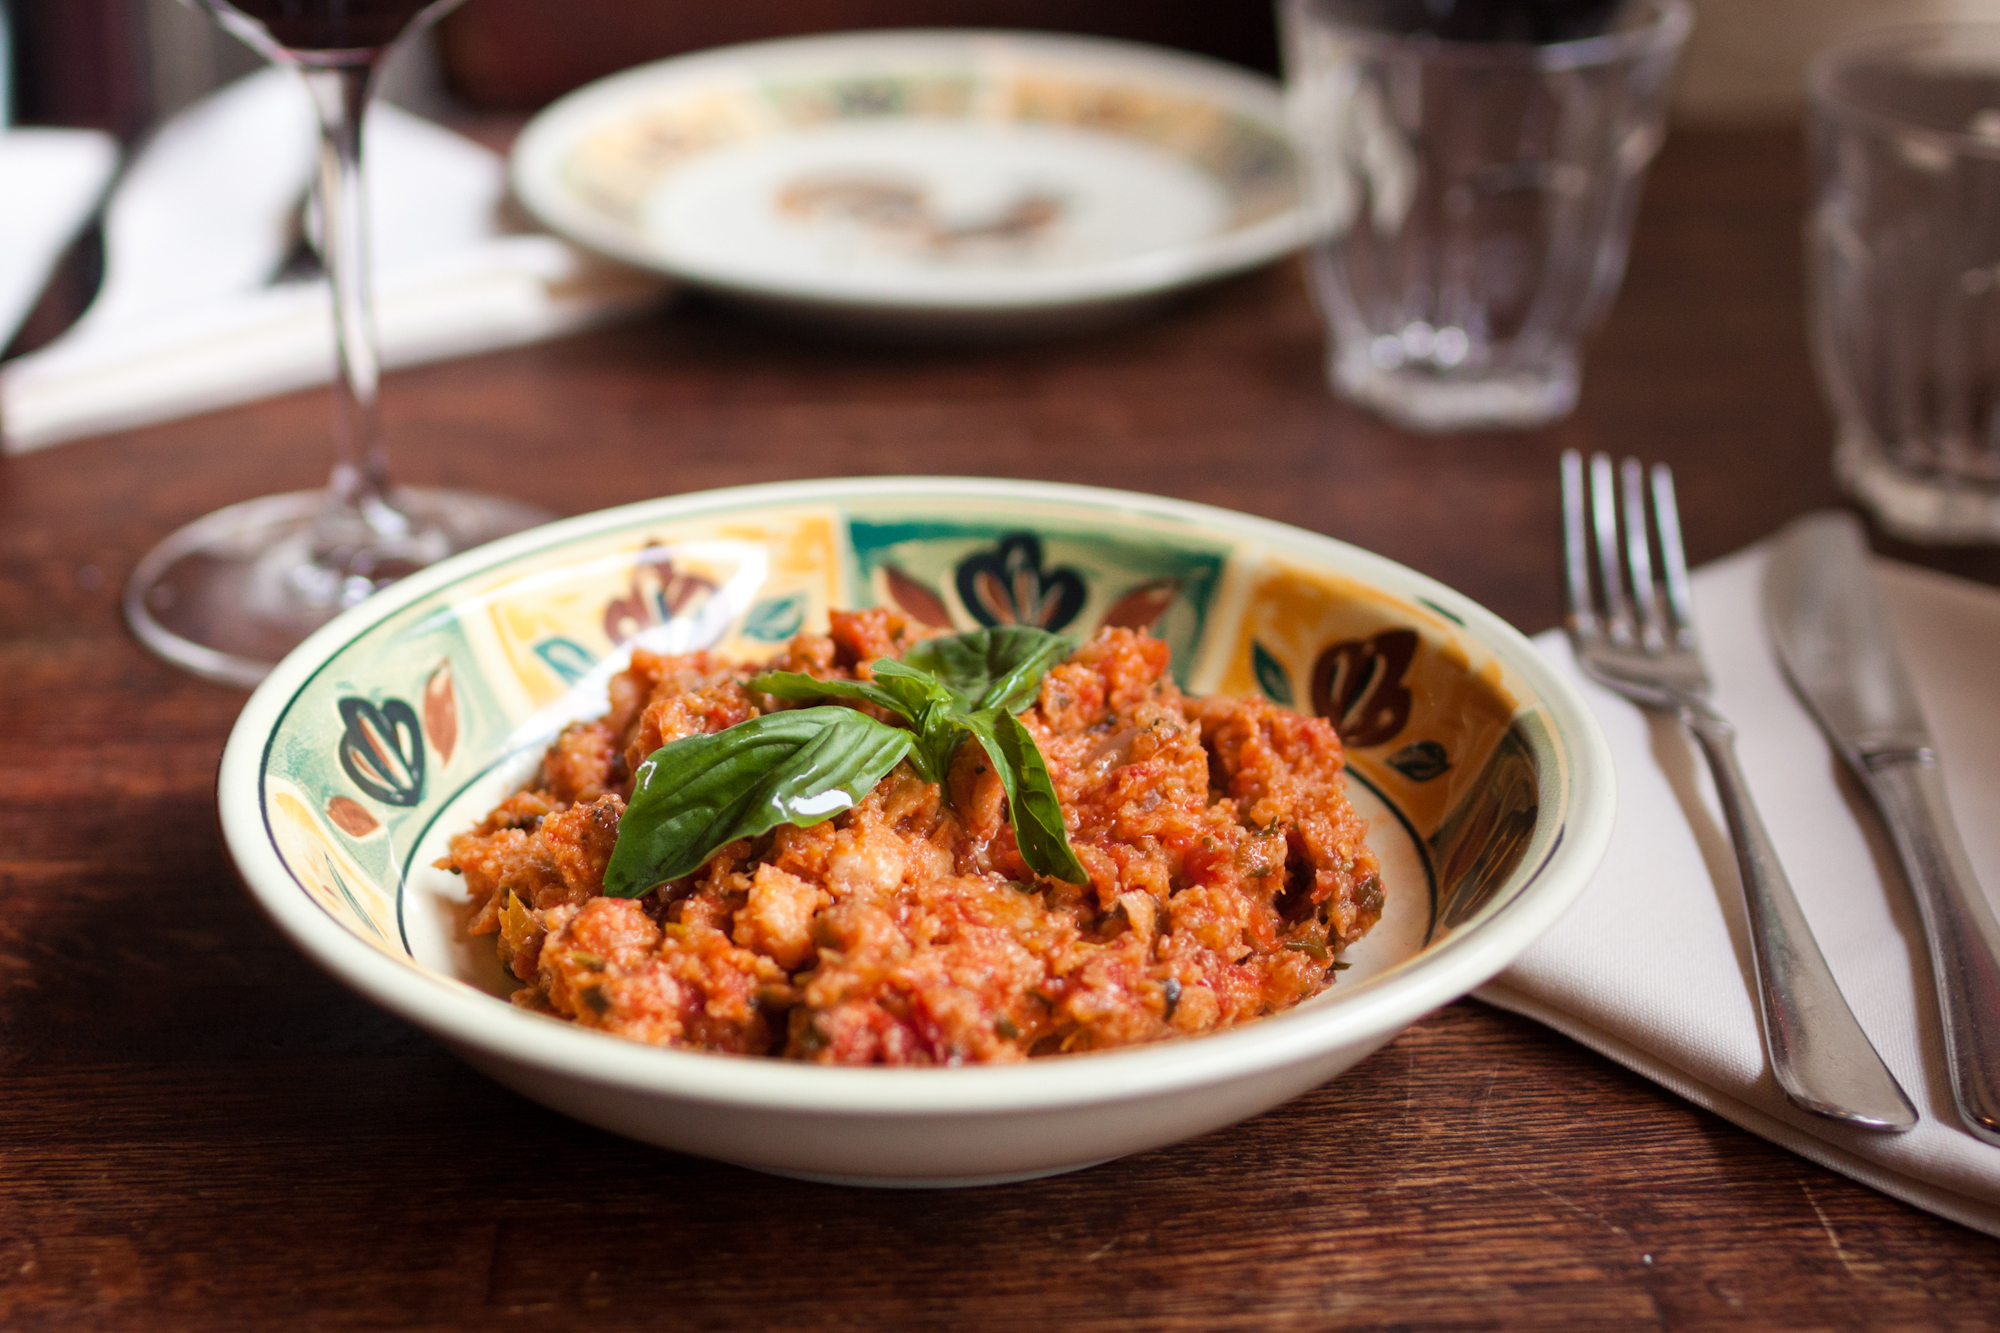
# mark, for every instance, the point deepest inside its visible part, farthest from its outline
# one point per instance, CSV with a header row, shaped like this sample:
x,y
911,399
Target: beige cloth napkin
x,y
50,180
189,317
1652,965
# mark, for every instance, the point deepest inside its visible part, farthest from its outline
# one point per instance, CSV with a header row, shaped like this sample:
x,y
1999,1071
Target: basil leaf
x,y
796,685
991,668
1032,805
802,767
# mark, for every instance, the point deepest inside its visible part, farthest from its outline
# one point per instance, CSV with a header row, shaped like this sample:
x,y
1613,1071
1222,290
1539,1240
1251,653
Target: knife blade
x,y
1838,648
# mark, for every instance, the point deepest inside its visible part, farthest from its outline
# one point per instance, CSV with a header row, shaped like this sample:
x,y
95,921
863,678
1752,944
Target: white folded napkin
x,y
50,181
1652,965
189,317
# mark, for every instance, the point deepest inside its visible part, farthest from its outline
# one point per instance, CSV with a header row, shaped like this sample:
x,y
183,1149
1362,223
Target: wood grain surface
x,y
200,1131
521,53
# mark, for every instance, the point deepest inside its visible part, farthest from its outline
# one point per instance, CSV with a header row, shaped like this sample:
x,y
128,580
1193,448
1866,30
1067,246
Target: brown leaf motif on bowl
x,y
1358,685
657,593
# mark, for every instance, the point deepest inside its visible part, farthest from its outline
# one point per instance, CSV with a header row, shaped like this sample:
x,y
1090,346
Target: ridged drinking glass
x,y
1475,201
1903,246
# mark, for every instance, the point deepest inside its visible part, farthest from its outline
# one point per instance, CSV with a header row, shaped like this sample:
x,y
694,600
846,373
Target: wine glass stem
x,y
359,486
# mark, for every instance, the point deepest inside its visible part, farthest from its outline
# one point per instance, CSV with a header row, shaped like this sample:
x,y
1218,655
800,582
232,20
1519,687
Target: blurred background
x,y
121,65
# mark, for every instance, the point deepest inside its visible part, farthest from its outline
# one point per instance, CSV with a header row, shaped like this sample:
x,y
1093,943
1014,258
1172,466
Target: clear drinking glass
x,y
1475,200
229,594
1903,248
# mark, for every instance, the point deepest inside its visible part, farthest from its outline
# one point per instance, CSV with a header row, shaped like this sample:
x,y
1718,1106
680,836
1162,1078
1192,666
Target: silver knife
x,y
1839,650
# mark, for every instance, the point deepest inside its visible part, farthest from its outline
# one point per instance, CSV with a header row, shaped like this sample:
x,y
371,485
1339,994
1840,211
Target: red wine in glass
x,y
1537,21
232,592
330,25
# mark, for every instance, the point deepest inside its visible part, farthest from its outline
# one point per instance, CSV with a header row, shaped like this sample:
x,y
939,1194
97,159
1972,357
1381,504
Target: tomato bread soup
x,y
1136,864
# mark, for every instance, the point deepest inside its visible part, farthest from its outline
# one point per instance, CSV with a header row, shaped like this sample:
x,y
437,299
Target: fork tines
x,y
1637,610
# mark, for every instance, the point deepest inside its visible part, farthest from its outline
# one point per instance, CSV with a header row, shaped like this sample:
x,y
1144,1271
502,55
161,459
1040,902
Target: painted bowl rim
x,y
465,1016
534,170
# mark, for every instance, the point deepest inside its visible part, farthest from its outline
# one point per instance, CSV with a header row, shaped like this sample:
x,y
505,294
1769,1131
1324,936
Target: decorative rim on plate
x,y
1520,881
588,165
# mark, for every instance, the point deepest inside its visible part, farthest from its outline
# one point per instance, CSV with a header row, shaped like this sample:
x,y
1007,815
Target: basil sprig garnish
x,y
806,765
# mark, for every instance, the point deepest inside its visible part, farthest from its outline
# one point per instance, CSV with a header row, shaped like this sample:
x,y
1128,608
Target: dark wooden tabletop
x,y
199,1130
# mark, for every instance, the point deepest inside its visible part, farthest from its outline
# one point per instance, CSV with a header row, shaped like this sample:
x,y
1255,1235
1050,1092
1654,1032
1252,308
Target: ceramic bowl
x,y
924,180
1486,782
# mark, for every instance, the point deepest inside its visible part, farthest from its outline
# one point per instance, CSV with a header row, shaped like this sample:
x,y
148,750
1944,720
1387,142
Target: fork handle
x,y
1821,1057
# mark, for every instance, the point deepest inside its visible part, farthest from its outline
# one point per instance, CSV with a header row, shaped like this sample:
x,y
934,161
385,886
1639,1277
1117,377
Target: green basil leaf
x,y
1032,805
802,766
991,668
797,686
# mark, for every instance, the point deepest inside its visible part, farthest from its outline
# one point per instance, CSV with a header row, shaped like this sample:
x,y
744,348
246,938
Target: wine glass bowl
x,y
232,592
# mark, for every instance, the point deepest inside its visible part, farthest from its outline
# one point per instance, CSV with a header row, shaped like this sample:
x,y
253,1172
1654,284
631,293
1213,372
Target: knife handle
x,y
1958,924
1819,1054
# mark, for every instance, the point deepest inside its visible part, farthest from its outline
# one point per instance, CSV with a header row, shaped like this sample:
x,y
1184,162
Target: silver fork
x,y
1638,639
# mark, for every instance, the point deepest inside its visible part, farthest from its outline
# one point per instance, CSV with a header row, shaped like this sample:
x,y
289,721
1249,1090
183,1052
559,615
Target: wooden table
x,y
198,1130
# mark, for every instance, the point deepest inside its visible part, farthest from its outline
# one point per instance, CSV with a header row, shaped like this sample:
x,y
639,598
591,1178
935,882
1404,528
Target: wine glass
x,y
232,592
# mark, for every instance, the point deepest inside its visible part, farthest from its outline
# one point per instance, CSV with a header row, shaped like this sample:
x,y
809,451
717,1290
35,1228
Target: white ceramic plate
x,y
1485,779
924,178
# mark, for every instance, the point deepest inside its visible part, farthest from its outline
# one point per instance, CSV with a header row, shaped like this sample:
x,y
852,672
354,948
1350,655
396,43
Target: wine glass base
x,y
232,592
